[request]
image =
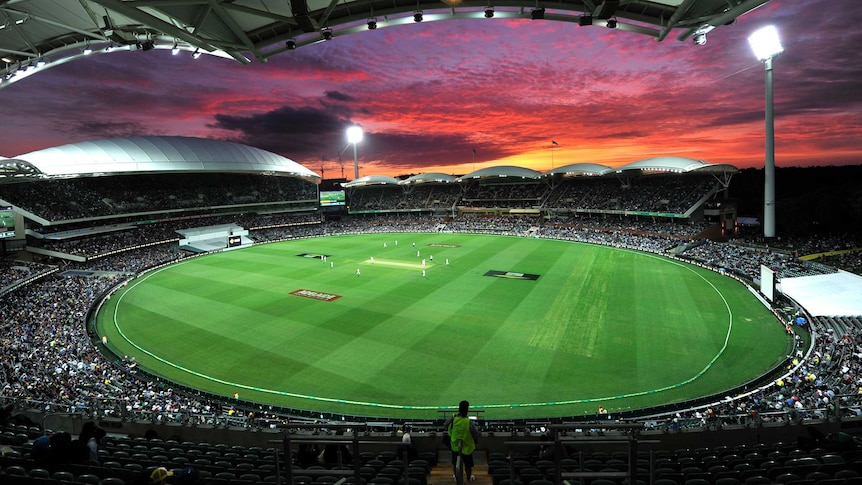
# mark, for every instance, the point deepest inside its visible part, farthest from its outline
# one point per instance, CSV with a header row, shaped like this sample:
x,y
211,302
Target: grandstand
x,y
84,228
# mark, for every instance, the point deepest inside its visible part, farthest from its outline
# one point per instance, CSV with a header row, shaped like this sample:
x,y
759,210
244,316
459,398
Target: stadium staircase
x,y
441,474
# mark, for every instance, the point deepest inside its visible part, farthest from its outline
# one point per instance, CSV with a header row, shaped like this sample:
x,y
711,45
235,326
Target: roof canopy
x,y
676,164
151,154
432,177
371,180
38,34
501,171
581,169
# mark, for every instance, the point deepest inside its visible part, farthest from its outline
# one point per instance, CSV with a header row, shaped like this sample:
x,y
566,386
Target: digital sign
x,y
332,198
7,222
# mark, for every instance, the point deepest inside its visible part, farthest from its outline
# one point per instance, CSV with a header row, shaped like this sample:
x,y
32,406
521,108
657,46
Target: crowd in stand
x,y
48,356
389,198
671,194
13,272
745,261
86,197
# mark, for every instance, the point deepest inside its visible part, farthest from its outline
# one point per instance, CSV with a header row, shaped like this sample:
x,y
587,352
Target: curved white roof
x,y
675,164
160,154
501,171
581,169
429,177
371,180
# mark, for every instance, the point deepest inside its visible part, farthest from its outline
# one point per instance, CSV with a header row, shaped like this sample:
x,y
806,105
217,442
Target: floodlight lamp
x,y
87,50
699,39
489,12
585,20
765,43
417,17
109,47
372,24
175,49
354,134
612,23
290,44
40,62
327,34
196,54
537,13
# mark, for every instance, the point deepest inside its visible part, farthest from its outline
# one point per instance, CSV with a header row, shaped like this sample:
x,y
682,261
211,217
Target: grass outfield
x,y
599,325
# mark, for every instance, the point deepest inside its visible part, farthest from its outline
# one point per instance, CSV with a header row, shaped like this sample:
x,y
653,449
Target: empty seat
x,y
88,478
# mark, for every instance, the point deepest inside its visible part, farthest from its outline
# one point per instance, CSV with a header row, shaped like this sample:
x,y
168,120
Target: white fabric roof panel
x,y
371,180
501,171
581,168
160,154
837,294
665,163
429,177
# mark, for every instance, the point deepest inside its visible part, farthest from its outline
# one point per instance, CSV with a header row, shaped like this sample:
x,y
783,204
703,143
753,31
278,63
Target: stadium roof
x,y
38,34
676,164
501,171
10,167
154,154
581,169
432,177
371,180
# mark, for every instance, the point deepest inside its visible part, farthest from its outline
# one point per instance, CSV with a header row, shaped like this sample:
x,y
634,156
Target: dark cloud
x,y
309,134
298,133
338,96
90,130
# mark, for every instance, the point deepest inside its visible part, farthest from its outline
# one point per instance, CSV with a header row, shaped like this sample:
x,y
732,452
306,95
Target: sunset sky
x,y
428,94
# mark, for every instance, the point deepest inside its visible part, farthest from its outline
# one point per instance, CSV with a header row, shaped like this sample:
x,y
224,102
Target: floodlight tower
x,y
766,45
354,135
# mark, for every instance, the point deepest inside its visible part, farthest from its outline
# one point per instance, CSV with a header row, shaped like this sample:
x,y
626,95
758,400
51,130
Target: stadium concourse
x,y
84,235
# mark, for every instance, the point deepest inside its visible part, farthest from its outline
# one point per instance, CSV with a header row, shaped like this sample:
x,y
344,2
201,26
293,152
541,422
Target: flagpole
x,y
553,145
474,160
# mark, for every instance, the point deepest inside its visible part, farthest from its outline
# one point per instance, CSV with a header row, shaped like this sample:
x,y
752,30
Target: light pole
x,y
354,135
766,45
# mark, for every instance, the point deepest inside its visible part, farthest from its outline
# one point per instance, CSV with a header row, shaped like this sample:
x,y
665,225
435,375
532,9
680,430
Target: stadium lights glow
x,y
765,43
175,49
196,54
354,135
87,50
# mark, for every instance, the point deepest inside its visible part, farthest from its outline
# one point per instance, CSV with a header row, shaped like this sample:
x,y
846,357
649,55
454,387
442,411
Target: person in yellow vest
x,y
462,429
